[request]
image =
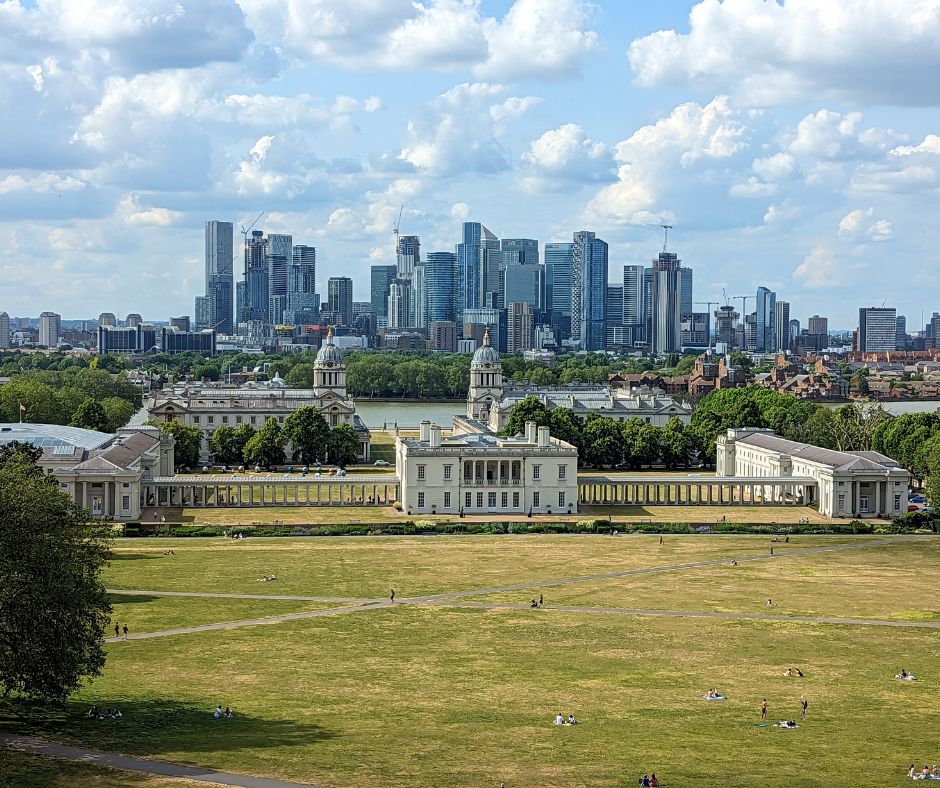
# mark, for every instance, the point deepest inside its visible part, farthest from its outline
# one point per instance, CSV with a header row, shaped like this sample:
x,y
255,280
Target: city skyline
x,y
807,168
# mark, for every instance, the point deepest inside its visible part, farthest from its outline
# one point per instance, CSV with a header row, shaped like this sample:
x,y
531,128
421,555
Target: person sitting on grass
x,y
559,719
92,713
217,714
228,713
572,720
534,604
653,781
799,673
789,672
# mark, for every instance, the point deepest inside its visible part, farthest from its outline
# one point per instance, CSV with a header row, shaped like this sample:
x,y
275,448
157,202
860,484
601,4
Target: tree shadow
x,y
157,727
131,556
124,599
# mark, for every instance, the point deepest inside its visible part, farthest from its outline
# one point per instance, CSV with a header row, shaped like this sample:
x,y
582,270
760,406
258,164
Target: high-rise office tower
x,y
442,335
4,330
257,295
765,327
419,296
694,329
520,327
614,315
665,304
201,314
399,304
220,284
441,296
633,300
519,251
782,340
523,282
648,304
478,259
559,258
50,329
302,299
340,293
685,291
382,276
180,323
133,320
409,255
279,258
932,331
107,319
750,332
589,291
901,340
726,321
818,325
877,329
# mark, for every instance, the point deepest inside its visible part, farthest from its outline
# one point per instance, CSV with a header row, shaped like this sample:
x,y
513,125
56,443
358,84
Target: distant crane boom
x,y
666,229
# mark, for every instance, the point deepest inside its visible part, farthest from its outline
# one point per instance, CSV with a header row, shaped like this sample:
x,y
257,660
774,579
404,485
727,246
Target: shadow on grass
x,y
157,727
132,556
124,599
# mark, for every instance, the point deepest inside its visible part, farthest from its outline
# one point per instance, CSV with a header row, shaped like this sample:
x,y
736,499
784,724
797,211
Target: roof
x,y
53,436
838,460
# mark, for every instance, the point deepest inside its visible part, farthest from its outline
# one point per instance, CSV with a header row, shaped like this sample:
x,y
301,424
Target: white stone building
x,y
209,406
103,473
491,400
849,484
475,471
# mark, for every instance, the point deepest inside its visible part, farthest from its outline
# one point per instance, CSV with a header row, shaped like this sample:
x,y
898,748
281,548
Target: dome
x,y
486,353
329,353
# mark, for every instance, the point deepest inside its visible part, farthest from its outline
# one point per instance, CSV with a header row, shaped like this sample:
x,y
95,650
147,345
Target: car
x,y
382,463
913,507
917,499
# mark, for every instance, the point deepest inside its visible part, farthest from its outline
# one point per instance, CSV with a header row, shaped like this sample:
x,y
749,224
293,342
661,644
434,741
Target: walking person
x,y
124,629
392,597
117,630
541,600
661,540
771,549
803,704
763,709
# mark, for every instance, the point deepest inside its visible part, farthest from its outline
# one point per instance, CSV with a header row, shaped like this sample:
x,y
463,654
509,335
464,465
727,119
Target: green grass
x,y
446,696
26,770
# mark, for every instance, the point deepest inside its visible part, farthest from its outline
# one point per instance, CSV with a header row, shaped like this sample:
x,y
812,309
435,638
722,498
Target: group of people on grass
x,y
793,672
925,773
561,720
267,578
223,715
94,713
804,706
119,629
904,675
539,603
648,780
714,694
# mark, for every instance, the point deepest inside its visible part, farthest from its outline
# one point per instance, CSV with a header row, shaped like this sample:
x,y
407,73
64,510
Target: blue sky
x,y
792,144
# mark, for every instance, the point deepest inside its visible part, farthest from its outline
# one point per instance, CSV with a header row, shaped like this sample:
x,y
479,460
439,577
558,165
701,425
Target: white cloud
x,y
753,187
566,155
768,53
460,211
43,183
861,223
778,167
513,107
782,212
821,269
930,145
134,214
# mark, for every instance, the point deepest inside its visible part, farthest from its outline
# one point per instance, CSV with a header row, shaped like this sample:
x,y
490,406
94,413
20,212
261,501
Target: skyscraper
x,y
818,325
302,299
419,296
559,258
782,340
634,301
685,291
665,304
523,282
589,291
519,251
107,319
520,326
279,257
409,255
726,319
340,292
50,329
202,314
478,260
765,327
399,304
220,285
441,296
4,330
257,295
614,315
877,329
901,334
382,275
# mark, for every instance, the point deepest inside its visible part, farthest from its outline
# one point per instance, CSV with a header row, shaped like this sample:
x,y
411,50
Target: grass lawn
x,y
26,770
369,566
439,696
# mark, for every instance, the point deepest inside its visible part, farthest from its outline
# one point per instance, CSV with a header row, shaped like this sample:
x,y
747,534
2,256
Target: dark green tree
x,y
527,409
676,444
308,433
932,464
53,606
266,446
603,445
300,376
343,445
90,415
222,444
564,425
187,442
118,411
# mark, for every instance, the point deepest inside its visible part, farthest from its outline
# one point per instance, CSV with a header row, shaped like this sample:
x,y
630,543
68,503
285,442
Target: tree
x,y
565,426
343,445
308,432
266,446
933,476
222,443
301,376
603,446
118,411
90,415
187,442
527,409
676,444
53,606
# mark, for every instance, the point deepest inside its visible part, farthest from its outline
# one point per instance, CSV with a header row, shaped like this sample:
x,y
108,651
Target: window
x,y
225,419
125,502
863,505
125,485
195,419
515,500
562,471
447,500
420,500
447,470
536,471
841,501
561,499
211,419
252,419
491,500
535,500
504,500
421,471
479,500
238,419
468,500
897,502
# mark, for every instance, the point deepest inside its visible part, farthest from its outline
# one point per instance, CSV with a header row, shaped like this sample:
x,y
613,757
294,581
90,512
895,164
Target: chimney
x,y
543,439
425,431
530,431
435,436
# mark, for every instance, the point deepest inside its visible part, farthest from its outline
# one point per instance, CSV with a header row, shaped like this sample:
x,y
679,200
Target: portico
x,y
653,490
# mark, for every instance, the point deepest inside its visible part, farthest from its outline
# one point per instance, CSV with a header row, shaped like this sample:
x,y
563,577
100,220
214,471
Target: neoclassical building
x,y
209,406
491,400
848,483
103,473
475,471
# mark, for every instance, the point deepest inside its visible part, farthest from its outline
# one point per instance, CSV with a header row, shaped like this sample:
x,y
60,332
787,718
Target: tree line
x,y
305,432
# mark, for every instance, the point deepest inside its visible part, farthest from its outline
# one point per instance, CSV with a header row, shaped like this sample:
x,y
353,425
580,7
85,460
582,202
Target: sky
x,y
792,144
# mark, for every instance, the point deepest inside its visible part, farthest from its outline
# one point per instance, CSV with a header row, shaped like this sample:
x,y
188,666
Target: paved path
x,y
630,611
452,596
162,768
208,595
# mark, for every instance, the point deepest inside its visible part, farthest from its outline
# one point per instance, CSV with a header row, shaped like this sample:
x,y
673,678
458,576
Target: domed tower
x,y
329,371
486,381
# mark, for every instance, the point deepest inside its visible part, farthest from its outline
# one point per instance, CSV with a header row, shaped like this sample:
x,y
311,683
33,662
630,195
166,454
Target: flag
x,y
22,408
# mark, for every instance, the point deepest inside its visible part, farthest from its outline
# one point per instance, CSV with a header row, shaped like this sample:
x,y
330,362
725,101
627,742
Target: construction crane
x,y
710,304
666,229
398,226
245,231
744,305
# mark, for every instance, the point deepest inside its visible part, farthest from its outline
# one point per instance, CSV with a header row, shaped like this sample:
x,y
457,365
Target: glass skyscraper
x,y
220,283
765,328
559,258
440,286
382,276
478,261
589,291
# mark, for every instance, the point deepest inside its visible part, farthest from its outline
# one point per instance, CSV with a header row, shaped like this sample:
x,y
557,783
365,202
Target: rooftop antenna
x,y
666,229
